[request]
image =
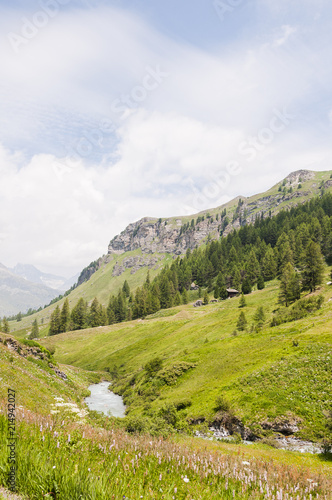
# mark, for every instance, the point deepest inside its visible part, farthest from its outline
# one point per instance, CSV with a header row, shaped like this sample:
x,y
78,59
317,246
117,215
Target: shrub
x,y
326,446
221,404
168,413
153,366
170,375
181,405
136,424
299,310
85,393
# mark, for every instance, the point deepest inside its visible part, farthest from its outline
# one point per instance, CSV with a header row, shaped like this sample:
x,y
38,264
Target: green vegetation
x,y
291,245
74,461
203,339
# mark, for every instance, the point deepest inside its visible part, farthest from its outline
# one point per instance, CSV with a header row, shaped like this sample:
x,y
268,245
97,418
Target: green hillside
x,y
101,285
35,382
276,372
66,455
297,188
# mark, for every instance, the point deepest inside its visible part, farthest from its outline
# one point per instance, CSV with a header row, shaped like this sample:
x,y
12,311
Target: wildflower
x,y
68,438
54,466
160,477
245,463
89,470
175,490
186,480
58,445
41,428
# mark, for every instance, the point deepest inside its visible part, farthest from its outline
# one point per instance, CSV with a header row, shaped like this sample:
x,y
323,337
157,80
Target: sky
x,y
115,110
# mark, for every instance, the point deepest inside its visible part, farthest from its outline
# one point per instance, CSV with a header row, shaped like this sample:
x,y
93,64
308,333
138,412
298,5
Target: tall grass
x,y
67,461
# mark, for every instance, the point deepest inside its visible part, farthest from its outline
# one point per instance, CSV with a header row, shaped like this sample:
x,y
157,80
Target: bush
x,y
270,441
168,413
181,405
136,424
299,310
85,393
221,404
326,446
153,366
170,375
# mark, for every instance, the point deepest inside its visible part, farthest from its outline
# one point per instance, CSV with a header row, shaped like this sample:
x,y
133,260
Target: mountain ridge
x,y
164,235
151,243
31,273
17,294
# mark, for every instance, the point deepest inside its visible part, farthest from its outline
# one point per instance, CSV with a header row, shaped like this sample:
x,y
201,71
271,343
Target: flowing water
x,y
105,401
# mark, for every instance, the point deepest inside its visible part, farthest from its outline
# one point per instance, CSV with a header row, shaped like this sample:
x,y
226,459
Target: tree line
x,y
291,246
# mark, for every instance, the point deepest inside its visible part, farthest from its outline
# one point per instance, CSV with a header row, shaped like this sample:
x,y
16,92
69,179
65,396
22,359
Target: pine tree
x,y
259,316
285,252
269,265
221,284
110,310
313,267
242,302
35,330
94,314
129,314
242,322
252,268
246,285
206,298
236,278
223,295
55,319
126,289
185,296
289,290
260,282
166,299
110,316
65,316
79,315
120,308
103,315
177,299
5,326
216,292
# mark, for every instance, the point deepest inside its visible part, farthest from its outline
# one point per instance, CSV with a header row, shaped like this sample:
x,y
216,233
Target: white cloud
x,y
286,32
173,148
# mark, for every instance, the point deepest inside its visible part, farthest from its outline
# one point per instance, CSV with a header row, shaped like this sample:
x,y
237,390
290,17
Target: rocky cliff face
x,y
176,235
155,236
170,235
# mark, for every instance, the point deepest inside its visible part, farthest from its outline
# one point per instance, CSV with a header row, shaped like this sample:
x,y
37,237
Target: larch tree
x,y
313,267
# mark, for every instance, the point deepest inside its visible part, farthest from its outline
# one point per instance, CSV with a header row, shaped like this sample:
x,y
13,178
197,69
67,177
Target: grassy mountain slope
x,y
35,382
60,456
101,285
278,372
142,245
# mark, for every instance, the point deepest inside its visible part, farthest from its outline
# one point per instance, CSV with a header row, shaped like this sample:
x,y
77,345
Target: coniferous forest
x,y
291,246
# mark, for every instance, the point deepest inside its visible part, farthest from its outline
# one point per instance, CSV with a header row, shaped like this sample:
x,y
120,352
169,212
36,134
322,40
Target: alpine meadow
x,y
165,250
227,399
